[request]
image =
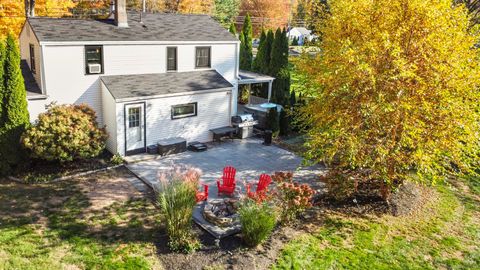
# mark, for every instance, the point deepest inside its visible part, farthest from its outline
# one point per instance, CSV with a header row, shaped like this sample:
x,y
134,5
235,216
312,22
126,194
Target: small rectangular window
x,y
184,110
171,58
94,59
32,59
202,57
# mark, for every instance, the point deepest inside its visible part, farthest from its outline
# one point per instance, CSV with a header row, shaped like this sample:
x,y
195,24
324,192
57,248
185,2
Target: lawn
x,y
75,224
443,235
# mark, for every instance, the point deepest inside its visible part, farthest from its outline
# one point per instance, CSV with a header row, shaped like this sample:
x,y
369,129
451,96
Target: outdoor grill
x,y
244,124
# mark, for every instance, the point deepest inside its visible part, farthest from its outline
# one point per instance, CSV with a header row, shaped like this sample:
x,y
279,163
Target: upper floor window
x,y
171,58
94,59
202,57
32,59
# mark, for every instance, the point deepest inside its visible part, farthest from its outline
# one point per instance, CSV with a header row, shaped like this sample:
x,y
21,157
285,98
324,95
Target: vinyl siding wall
x,y
109,119
66,81
27,37
213,111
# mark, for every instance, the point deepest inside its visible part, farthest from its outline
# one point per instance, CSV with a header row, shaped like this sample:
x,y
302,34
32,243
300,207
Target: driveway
x,y
249,156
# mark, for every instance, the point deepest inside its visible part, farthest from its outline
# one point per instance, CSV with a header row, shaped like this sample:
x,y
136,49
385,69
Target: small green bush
x,y
65,133
116,159
177,200
257,220
284,123
272,120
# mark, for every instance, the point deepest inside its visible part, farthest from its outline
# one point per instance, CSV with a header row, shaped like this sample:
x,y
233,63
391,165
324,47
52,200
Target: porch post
x,y
269,90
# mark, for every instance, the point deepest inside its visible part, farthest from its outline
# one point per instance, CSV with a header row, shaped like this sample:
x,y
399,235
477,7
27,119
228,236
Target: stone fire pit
x,y
218,217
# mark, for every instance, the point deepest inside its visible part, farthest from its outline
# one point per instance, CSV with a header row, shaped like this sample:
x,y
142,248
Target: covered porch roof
x,y
249,78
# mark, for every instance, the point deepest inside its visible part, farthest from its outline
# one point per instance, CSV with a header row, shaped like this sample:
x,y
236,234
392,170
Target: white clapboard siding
x,y
66,81
213,111
109,119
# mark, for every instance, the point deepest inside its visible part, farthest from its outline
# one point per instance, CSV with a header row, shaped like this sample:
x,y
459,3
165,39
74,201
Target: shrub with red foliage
x,y
294,198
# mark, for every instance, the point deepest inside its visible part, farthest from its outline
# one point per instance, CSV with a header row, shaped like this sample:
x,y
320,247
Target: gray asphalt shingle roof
x,y
155,27
144,85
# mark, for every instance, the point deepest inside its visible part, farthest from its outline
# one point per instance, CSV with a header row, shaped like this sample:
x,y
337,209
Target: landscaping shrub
x,y
65,133
177,200
116,159
293,198
284,123
258,221
272,120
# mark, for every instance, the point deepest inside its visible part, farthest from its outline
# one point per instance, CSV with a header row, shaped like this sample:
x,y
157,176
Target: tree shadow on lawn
x,y
64,210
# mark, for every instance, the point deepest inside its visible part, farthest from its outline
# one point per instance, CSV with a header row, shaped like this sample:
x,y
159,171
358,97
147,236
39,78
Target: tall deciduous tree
x,y
14,108
399,95
246,55
268,14
12,13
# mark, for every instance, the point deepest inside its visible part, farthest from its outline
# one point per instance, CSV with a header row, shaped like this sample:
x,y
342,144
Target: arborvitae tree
x,y
246,54
2,85
272,120
279,68
14,109
293,98
276,59
257,62
267,55
295,41
233,29
284,123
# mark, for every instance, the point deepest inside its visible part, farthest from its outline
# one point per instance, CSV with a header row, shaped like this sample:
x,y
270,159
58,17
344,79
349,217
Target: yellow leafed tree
x,y
12,13
397,94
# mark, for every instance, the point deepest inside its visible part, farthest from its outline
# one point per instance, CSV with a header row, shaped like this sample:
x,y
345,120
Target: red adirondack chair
x,y
262,186
202,196
227,184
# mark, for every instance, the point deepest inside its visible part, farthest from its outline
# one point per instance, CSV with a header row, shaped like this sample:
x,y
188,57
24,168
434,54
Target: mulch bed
x,y
38,171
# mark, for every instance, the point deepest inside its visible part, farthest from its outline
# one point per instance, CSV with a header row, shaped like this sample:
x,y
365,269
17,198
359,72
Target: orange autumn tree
x,y
398,92
12,13
269,14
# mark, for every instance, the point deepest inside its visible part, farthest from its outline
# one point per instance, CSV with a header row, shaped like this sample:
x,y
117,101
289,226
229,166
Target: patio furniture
x,y
197,146
202,196
172,146
219,133
227,185
262,186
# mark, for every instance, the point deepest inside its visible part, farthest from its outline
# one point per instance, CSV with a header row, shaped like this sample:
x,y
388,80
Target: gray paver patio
x,y
249,156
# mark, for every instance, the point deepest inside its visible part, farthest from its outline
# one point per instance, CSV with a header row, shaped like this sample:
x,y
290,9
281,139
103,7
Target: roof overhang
x,y
249,77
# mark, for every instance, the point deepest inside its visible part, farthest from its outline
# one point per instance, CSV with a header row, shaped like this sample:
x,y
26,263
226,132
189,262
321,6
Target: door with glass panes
x,y
135,128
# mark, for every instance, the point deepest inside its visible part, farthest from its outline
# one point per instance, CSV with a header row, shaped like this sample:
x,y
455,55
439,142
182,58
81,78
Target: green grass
x,y
443,235
52,226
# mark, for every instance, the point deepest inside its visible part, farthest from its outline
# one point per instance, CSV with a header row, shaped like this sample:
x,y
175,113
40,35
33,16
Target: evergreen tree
x,y
2,85
279,68
246,54
284,123
233,29
272,120
258,61
14,109
293,98
295,41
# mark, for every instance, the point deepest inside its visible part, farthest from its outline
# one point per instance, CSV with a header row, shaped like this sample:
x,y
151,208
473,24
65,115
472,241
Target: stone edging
x,y
15,179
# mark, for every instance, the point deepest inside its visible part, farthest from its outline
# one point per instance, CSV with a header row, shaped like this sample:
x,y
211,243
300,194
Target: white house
x,y
148,77
301,34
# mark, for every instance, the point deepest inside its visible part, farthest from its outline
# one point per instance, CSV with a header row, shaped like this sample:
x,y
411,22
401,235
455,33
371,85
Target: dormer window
x,y
94,59
32,59
202,57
